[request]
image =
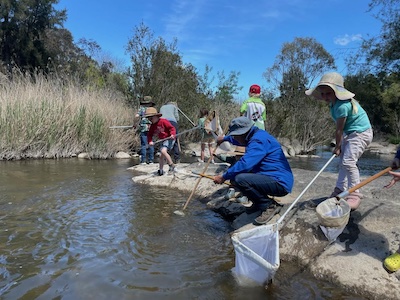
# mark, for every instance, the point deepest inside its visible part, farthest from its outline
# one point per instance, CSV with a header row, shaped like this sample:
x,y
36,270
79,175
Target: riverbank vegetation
x,y
44,117
59,97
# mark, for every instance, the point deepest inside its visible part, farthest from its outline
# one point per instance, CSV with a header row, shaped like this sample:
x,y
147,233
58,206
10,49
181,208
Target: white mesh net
x,y
257,255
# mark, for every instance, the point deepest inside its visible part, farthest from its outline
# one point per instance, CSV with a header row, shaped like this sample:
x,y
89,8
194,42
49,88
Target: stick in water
x,y
198,180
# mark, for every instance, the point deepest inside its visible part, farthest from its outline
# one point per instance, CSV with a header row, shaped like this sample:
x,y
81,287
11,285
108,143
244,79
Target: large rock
x,y
353,262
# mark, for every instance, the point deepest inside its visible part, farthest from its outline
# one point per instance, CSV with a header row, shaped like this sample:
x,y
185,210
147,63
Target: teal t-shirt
x,y
144,124
358,122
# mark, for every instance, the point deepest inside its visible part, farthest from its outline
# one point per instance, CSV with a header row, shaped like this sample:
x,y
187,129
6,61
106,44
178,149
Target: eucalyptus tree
x,y
298,66
382,52
157,70
368,89
23,31
227,87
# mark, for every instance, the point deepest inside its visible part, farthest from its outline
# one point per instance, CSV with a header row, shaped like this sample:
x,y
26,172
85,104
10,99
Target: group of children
x,y
153,125
353,133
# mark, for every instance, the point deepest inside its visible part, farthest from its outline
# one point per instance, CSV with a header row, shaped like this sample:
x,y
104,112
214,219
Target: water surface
x,y
82,229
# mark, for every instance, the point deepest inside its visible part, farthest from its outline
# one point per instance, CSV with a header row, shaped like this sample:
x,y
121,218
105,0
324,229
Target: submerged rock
x,y
353,262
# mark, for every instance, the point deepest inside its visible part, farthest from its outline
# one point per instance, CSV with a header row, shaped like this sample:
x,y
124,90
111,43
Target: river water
x,y
82,229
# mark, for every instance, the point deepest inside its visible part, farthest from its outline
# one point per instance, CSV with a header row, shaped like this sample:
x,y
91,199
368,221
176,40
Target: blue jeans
x,y
257,187
143,148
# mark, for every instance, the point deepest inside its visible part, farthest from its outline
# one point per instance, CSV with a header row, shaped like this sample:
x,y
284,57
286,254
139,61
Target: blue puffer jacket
x,y
263,155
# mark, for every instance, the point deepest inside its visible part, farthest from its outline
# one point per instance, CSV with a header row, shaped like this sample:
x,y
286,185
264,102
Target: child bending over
x,y
162,129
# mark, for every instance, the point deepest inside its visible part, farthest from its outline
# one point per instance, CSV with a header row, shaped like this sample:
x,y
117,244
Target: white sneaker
x,y
244,201
230,194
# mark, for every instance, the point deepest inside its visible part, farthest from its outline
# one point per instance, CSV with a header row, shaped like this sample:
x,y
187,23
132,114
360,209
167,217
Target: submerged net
x,y
257,255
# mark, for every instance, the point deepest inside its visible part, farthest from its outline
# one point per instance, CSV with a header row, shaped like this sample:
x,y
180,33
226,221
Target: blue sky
x,y
239,35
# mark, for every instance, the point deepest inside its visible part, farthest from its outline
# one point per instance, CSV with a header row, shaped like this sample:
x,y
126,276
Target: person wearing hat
x,y
163,130
253,108
144,126
353,131
170,112
261,172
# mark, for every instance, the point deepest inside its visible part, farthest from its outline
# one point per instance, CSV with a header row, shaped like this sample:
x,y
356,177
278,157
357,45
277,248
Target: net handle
x,y
305,189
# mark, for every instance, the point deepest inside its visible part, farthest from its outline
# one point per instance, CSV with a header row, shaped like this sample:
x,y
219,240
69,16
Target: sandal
x,y
392,262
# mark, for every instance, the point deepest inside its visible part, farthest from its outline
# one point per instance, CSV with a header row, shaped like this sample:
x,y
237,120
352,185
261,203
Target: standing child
x,y
144,125
206,136
253,108
162,129
353,131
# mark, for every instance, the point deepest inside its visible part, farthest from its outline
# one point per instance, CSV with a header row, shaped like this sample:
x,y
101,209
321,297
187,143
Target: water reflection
x,y
74,229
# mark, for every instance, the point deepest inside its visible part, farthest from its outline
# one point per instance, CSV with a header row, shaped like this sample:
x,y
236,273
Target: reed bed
x,y
44,117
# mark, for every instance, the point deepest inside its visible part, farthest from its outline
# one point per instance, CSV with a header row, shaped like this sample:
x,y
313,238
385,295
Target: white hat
x,y
336,82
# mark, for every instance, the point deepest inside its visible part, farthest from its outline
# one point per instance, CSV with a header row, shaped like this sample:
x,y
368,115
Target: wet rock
x,y
122,155
84,155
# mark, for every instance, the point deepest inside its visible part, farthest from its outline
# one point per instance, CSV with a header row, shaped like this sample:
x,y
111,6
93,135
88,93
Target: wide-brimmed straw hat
x,y
151,111
336,82
240,126
147,100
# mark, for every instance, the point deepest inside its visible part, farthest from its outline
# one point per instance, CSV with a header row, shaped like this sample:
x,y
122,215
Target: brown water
x,y
81,229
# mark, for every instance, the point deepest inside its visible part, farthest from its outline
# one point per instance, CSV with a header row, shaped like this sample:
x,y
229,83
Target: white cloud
x,y
346,39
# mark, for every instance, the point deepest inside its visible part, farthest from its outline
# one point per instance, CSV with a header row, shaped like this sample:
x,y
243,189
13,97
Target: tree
x,y
227,87
299,64
382,52
368,89
23,31
157,70
139,49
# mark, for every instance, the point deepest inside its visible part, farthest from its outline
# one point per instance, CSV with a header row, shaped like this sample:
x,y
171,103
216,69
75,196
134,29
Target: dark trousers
x,y
175,150
257,188
144,149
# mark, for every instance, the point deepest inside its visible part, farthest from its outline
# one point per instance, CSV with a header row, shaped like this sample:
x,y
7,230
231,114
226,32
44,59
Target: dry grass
x,y
50,118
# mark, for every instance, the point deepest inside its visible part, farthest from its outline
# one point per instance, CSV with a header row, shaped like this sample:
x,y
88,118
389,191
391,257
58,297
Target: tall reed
x,y
44,117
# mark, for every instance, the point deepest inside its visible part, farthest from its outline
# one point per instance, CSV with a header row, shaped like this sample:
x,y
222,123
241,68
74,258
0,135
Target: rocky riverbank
x,y
353,262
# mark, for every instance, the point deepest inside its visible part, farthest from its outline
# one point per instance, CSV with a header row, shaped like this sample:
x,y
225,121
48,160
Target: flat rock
x,y
353,262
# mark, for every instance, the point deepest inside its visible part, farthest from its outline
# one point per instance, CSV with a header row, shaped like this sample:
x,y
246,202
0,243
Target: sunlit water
x,y
369,163
82,229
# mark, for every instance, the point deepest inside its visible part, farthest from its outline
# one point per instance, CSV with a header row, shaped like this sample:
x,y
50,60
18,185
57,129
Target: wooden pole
x,y
204,171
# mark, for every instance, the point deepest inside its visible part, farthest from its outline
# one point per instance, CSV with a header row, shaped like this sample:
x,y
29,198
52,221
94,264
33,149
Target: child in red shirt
x,y
162,129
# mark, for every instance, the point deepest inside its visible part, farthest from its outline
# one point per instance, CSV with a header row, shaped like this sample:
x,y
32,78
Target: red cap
x,y
255,89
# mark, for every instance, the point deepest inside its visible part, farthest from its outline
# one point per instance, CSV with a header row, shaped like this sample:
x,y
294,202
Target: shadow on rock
x,y
351,235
